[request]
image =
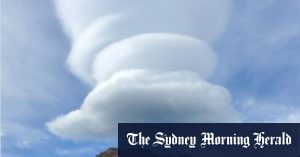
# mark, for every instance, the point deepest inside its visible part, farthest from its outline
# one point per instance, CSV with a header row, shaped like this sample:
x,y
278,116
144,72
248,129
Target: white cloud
x,y
148,62
155,51
166,15
93,25
140,96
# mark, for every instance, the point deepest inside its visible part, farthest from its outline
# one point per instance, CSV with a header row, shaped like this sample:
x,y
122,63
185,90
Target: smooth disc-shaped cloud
x,y
95,24
155,51
140,96
210,16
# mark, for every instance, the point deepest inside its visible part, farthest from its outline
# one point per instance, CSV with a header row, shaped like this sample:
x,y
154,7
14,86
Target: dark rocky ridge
x,y
110,152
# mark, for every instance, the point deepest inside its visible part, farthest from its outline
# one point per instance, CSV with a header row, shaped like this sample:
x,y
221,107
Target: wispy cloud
x,y
23,136
76,152
268,111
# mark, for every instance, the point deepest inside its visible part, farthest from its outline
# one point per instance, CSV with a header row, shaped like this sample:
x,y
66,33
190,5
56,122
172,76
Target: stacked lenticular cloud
x,y
148,61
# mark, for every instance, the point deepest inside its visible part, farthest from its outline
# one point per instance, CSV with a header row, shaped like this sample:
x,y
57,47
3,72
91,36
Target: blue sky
x,y
258,53
36,85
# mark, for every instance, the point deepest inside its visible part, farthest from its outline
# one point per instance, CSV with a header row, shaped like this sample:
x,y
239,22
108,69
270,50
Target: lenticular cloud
x,y
148,61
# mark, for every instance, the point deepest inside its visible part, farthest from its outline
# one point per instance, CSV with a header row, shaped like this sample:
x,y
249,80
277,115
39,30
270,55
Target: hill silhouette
x,y
110,152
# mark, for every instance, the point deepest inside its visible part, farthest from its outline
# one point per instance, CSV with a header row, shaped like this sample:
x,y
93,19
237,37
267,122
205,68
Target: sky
x,y
252,69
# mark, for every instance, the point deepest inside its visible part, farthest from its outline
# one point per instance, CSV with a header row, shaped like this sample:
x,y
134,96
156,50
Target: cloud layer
x,y
169,52
94,24
147,61
144,96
